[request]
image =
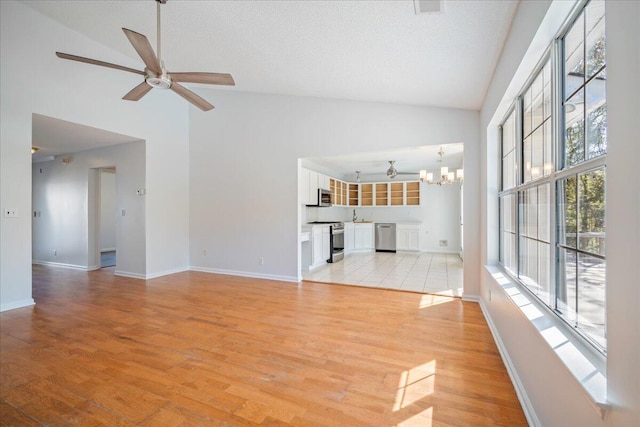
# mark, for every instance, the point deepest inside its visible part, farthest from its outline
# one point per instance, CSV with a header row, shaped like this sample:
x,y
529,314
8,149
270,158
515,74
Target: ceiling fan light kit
x,y
155,74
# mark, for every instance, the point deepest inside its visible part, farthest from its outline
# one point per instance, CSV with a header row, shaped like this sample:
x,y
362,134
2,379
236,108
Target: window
x,y
552,223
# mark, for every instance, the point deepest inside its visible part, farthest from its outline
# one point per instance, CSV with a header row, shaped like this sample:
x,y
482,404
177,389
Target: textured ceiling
x,y
360,50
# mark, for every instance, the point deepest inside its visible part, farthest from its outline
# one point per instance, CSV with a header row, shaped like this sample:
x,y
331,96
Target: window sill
x,y
586,364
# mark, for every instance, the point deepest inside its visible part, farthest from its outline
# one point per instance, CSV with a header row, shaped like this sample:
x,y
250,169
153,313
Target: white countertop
x,y
386,222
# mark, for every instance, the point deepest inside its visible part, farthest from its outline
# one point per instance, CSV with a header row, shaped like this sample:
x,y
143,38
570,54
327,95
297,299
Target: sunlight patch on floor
x,y
415,384
422,419
431,300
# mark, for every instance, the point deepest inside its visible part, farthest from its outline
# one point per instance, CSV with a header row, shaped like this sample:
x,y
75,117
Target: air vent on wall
x,y
428,6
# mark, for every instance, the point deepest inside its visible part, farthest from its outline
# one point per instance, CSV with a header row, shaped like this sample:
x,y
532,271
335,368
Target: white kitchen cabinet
x,y
313,187
363,236
324,182
349,237
320,236
408,237
326,242
303,186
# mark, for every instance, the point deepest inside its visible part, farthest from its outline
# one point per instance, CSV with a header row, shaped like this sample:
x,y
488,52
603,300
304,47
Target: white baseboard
x,y
470,298
166,272
521,392
130,275
293,279
17,304
62,265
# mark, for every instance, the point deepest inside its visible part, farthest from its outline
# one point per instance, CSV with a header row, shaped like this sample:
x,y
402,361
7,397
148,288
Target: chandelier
x,y
445,177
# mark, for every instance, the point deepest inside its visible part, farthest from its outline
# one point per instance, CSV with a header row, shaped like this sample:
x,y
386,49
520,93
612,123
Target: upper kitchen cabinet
x,y
366,194
303,186
308,185
399,193
354,195
382,194
412,191
323,182
338,192
393,193
313,187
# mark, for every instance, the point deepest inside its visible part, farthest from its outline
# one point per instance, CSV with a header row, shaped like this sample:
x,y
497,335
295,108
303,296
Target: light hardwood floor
x,y
203,349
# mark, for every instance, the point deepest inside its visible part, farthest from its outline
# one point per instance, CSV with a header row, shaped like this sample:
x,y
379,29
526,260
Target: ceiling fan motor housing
x,y
160,82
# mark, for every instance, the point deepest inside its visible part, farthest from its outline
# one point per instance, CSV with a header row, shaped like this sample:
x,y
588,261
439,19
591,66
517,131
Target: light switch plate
x,y
10,213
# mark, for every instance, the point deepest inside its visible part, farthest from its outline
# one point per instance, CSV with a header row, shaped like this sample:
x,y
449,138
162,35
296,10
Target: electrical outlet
x,y
204,252
444,243
55,252
261,261
10,213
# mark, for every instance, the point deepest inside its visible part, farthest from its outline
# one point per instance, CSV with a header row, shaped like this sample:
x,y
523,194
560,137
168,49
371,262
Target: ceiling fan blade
x,y
206,78
137,92
191,97
143,47
96,62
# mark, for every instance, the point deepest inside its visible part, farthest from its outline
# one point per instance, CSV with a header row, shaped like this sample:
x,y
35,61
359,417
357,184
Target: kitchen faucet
x,y
355,217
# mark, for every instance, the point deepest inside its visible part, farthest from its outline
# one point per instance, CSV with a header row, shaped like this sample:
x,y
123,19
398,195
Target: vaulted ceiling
x,y
361,50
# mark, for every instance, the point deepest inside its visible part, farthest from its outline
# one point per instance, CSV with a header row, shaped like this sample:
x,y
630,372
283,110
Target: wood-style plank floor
x,y
202,349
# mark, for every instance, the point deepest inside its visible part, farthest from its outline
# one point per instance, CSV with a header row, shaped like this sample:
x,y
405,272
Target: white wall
x,y
64,194
69,92
244,168
556,398
108,210
439,213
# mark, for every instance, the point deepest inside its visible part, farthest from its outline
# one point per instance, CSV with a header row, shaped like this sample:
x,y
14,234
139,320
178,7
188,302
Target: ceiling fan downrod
x,y
158,21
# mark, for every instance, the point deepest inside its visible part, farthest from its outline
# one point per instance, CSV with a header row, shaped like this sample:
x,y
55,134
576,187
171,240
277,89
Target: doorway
x,y
106,237
428,210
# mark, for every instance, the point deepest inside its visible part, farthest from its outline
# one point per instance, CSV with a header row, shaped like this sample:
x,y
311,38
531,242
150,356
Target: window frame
x,y
554,56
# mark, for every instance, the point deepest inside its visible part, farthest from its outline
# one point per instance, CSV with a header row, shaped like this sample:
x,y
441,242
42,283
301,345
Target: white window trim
x,y
586,364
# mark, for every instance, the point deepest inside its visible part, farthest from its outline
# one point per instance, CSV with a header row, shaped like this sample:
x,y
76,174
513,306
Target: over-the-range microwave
x,y
324,198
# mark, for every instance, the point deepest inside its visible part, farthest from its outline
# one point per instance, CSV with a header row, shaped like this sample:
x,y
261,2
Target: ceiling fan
x,y
392,172
155,74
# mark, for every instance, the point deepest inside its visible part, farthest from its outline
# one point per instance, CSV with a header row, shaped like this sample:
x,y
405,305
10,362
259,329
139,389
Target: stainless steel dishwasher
x,y
385,237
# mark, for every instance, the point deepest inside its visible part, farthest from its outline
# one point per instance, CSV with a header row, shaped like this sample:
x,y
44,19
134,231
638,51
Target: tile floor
x,y
424,272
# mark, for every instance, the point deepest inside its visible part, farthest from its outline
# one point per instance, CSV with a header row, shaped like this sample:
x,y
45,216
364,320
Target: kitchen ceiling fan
x,y
155,74
392,172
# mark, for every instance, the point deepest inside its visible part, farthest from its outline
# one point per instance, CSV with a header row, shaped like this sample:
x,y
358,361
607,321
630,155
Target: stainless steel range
x,y
336,242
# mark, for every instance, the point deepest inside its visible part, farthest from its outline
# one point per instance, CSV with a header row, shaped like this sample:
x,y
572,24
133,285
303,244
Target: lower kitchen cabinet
x,y
407,237
363,236
320,246
349,237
